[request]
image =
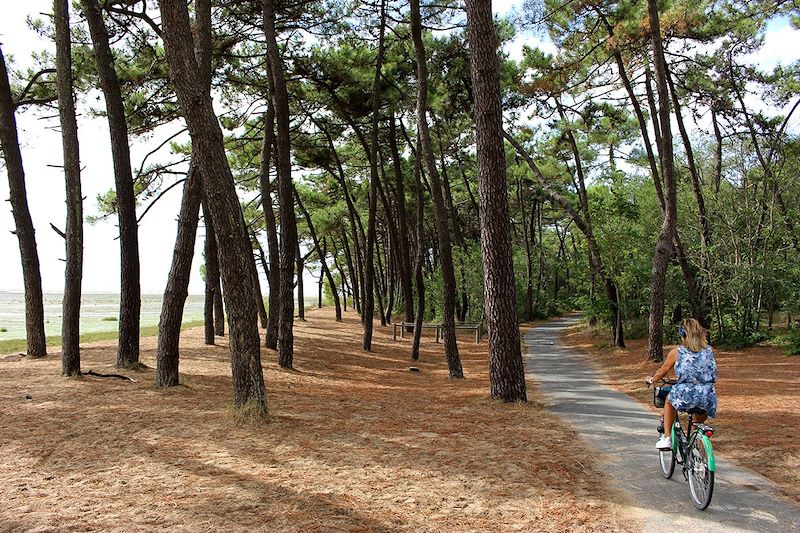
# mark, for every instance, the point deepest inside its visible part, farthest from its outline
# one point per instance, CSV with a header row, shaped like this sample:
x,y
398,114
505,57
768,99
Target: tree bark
x,y
369,277
419,263
210,289
668,228
130,290
288,245
301,297
442,226
506,371
73,273
169,324
271,336
23,224
262,311
215,316
528,255
196,106
404,254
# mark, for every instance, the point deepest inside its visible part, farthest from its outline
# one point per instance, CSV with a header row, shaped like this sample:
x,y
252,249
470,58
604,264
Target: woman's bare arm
x,y
669,362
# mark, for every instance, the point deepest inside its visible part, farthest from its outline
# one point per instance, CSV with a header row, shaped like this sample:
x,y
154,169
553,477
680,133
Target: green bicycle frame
x,y
706,442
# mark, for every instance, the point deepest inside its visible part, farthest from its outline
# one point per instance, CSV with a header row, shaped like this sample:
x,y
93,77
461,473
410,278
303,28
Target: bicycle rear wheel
x,y
701,476
666,460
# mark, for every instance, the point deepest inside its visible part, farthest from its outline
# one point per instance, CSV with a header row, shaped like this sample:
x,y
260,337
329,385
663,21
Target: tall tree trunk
x,y
379,286
73,273
301,296
23,224
169,324
219,305
528,255
506,371
668,228
419,263
717,149
197,108
130,290
442,226
214,315
271,340
285,195
369,278
208,303
404,252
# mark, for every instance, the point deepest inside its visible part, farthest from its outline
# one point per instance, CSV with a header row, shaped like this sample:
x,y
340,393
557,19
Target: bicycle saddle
x,y
696,411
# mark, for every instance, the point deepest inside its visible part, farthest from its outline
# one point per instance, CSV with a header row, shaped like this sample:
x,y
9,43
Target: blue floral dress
x,y
697,372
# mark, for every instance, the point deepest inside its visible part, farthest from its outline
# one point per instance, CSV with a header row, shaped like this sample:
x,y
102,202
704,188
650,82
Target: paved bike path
x,y
623,431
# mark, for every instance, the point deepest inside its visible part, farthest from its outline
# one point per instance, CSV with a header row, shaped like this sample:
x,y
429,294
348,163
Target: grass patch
x,y
109,319
19,345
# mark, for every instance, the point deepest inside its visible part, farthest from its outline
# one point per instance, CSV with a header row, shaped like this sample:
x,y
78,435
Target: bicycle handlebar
x,y
664,381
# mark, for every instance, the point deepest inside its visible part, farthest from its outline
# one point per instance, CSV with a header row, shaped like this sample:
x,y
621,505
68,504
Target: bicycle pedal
x,y
660,429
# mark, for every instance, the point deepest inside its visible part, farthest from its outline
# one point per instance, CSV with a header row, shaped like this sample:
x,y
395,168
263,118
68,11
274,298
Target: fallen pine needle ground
x,y
758,390
356,443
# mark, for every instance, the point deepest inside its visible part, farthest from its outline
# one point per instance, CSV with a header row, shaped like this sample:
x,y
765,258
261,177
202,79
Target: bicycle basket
x,y
660,395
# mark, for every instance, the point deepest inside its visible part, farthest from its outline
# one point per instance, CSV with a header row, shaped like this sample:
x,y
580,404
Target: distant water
x,y
94,308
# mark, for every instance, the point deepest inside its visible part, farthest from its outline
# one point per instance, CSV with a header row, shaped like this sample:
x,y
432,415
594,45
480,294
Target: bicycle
x,y
695,452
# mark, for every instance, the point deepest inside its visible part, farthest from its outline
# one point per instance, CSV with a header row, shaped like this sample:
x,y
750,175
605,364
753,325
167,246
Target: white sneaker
x,y
664,443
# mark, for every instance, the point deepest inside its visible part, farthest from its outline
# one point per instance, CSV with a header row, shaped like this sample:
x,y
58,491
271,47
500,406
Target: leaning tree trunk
x,y
326,272
271,336
169,325
506,371
668,228
73,273
177,289
285,196
442,226
130,291
218,185
703,312
23,224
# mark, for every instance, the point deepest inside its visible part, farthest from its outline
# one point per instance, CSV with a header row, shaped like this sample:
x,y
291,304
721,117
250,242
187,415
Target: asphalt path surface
x,y
623,432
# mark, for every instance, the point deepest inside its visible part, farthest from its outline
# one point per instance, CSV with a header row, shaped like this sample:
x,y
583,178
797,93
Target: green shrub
x,y
792,345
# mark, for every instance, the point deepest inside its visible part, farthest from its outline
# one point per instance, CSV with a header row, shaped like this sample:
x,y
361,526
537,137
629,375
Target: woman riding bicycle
x,y
696,370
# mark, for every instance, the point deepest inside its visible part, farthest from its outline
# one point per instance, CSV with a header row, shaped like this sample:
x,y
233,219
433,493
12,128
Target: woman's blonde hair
x,y
695,338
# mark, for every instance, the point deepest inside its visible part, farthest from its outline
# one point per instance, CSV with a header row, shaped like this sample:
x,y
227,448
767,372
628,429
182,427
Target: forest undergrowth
x,y
356,442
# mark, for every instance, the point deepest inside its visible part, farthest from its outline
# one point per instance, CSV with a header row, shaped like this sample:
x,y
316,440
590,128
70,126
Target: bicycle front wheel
x,y
667,461
701,473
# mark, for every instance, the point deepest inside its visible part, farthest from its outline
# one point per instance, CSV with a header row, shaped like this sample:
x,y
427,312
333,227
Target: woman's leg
x,y
669,418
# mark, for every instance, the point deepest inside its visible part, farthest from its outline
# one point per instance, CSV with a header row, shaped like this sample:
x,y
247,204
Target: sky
x,y
41,151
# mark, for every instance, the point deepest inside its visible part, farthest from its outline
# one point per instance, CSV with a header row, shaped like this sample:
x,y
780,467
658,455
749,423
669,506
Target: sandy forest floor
x,y
357,443
757,417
